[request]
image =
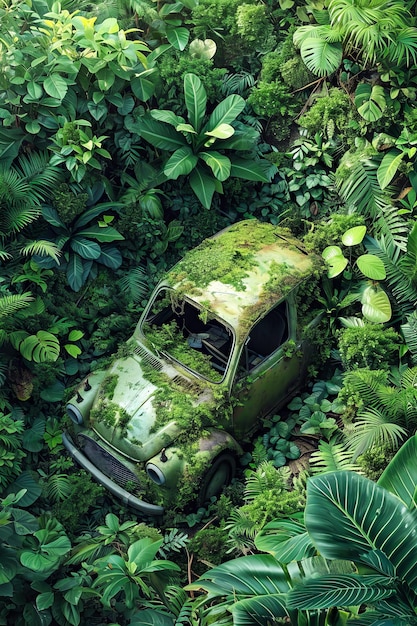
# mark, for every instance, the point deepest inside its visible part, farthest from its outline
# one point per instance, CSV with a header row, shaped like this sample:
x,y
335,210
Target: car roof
x,y
242,271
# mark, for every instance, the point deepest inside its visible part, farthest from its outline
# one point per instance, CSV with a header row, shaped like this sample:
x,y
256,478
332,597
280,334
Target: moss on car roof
x,y
241,272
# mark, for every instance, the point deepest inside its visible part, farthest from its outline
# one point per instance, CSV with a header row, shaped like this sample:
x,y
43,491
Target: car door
x,y
270,367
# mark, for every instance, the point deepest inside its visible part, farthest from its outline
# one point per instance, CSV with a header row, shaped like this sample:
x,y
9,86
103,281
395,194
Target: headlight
x,y
74,414
155,474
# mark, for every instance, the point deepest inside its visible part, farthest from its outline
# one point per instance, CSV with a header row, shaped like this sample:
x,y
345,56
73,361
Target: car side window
x,y
265,338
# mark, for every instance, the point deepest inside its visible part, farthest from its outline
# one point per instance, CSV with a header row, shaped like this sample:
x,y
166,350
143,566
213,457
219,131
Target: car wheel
x,y
218,475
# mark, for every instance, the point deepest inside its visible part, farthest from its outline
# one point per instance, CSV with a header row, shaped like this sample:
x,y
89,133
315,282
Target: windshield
x,y
182,331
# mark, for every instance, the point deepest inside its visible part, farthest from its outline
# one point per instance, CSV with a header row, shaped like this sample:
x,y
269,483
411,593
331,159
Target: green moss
x,y
109,385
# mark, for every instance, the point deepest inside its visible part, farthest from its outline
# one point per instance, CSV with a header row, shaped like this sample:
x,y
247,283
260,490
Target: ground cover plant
x,y
299,113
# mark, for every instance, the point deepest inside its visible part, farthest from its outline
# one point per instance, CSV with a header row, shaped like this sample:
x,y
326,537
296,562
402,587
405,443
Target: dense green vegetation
x,y
131,130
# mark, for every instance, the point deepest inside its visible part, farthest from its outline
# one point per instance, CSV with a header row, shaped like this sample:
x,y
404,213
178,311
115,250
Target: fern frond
x,y
360,188
36,171
242,530
409,331
332,456
366,384
58,487
174,541
266,476
13,303
14,218
392,226
135,282
42,247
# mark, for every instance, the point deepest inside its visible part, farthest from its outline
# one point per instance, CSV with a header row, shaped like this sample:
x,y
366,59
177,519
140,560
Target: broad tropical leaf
x,y
110,257
343,591
41,347
400,476
225,112
370,101
56,86
203,186
376,306
320,56
75,272
159,134
257,171
260,610
95,211
195,100
178,36
105,234
371,266
389,167
354,236
169,117
218,163
366,517
85,247
180,163
286,540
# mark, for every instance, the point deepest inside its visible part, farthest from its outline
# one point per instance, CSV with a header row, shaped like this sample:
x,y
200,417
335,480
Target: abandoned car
x,y
219,346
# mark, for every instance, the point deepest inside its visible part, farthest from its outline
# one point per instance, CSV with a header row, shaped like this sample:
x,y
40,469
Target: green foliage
x,y
83,492
276,441
374,461
11,453
332,456
372,346
274,100
330,114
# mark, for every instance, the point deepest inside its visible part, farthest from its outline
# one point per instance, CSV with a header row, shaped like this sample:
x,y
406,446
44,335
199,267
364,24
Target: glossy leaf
x,y
371,266
41,347
260,610
321,57
86,248
95,211
195,100
218,163
180,163
55,86
366,517
75,270
370,101
223,131
376,306
110,257
178,37
286,540
159,134
250,170
33,436
400,476
226,112
169,117
389,167
203,186
51,216
354,236
105,234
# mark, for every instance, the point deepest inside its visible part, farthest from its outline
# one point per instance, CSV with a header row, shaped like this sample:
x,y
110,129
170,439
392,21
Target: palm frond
x,y
403,47
266,476
14,218
367,384
360,188
374,428
13,303
135,283
58,487
392,226
41,177
242,530
42,247
332,456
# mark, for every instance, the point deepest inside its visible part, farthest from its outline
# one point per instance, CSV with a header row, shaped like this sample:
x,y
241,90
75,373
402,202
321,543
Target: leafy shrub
x,y
83,495
374,461
254,27
11,453
209,546
372,346
295,73
328,232
330,115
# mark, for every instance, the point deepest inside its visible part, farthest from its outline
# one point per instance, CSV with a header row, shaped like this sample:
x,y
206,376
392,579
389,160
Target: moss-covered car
x,y
218,347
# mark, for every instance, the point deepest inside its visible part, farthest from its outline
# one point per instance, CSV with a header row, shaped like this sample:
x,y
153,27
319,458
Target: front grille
x,y
107,463
148,357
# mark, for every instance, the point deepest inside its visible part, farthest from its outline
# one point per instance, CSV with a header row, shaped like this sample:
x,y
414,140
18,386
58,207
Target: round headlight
x,y
155,474
75,414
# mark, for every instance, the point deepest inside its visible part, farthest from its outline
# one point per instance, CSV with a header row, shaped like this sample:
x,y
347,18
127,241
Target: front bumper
x,y
127,498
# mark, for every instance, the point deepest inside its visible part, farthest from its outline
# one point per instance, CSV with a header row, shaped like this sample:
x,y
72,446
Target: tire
x,y
218,476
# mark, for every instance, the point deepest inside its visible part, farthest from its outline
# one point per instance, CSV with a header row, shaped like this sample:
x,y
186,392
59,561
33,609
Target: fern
x,y
14,218
331,456
58,487
42,247
392,227
375,428
10,304
242,531
409,330
174,541
239,83
266,476
135,282
359,187
41,177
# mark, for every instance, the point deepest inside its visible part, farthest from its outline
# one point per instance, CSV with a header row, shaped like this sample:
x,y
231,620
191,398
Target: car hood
x,y
125,410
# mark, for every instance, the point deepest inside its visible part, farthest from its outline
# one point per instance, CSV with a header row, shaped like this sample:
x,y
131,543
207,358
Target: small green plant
x,y
369,345
276,440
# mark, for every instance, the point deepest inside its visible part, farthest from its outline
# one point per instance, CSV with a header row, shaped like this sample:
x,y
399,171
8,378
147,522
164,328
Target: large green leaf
x,y
150,617
178,36
225,112
51,216
218,163
75,272
159,134
344,591
104,234
85,247
371,266
348,516
376,306
321,57
260,610
286,540
370,101
55,86
95,211
110,257
203,186
41,347
142,87
195,100
389,167
33,437
400,476
32,488
354,236
248,169
180,163
169,117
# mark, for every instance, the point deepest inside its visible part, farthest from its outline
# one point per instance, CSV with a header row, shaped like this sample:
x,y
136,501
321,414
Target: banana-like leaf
x,y
348,590
151,617
376,306
96,210
75,272
400,476
260,610
180,163
371,266
51,216
286,540
225,112
224,131
218,163
348,515
169,117
370,101
389,167
105,234
110,257
86,248
195,100
158,134
247,169
203,186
